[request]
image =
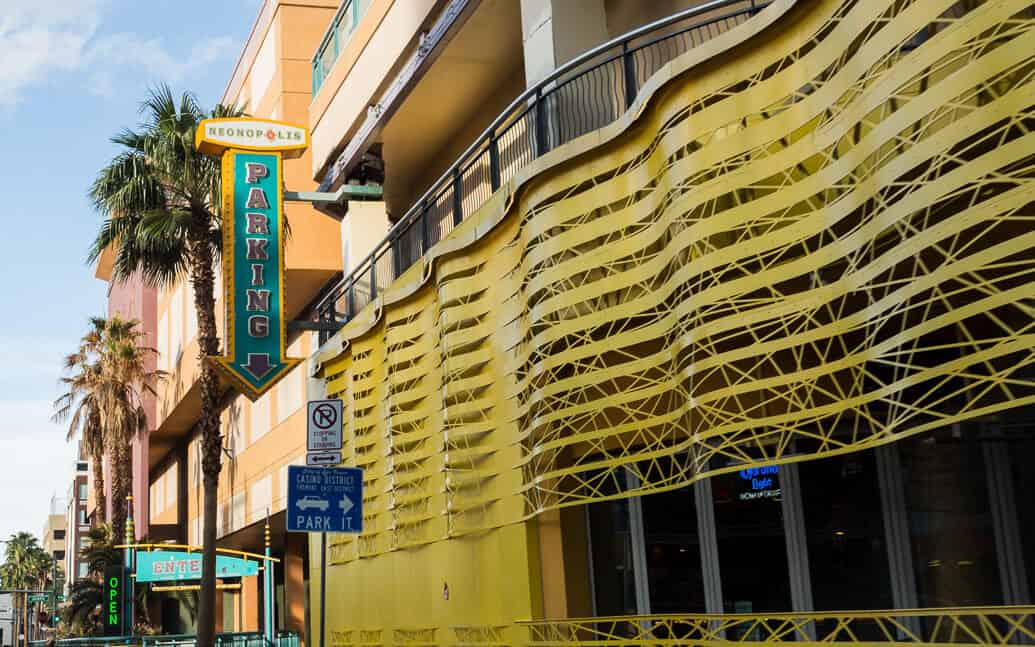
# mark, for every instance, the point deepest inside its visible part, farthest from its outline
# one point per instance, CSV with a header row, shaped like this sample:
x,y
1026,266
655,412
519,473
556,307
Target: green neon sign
x,y
113,604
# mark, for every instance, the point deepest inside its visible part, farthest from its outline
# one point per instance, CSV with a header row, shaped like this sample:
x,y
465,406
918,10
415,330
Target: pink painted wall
x,y
134,300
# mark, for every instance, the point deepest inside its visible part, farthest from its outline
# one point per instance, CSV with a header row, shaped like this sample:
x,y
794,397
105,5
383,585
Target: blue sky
x,y
73,74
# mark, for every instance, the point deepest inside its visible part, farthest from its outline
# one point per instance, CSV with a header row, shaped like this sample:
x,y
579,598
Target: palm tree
x,y
105,401
79,406
125,380
26,566
160,202
87,594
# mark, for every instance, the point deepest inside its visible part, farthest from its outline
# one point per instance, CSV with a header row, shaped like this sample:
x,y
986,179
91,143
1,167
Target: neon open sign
x,y
114,599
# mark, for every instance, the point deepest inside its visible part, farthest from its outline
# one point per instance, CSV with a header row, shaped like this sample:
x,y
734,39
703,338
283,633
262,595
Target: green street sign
x,y
39,597
253,271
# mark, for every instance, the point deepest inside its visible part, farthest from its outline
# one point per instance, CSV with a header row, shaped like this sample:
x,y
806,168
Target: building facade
x,y
78,519
270,80
689,323
54,531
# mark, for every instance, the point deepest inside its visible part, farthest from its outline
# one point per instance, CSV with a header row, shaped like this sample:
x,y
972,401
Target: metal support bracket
x,y
344,194
315,326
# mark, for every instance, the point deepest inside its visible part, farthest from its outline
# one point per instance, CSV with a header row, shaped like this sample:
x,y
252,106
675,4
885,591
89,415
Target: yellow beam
x,y
197,549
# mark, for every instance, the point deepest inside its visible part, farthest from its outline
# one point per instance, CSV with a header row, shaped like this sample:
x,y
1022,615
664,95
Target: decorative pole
x,y
267,581
130,559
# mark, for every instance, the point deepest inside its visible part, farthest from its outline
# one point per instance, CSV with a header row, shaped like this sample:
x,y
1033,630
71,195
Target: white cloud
x,y
107,54
43,37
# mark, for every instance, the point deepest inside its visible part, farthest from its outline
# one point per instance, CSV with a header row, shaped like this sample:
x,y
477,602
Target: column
x,y
295,594
551,564
896,530
1003,501
554,32
639,547
712,577
250,603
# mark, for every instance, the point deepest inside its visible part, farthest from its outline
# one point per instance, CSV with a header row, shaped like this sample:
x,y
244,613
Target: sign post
x,y
252,152
325,499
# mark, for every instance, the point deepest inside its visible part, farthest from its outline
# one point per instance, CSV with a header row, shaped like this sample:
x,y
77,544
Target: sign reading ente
x,y
253,245
178,566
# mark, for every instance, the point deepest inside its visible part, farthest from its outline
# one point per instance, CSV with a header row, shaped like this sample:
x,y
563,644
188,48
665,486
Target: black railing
x,y
584,95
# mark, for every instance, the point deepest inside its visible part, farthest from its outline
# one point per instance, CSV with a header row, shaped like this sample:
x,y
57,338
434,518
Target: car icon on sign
x,y
311,502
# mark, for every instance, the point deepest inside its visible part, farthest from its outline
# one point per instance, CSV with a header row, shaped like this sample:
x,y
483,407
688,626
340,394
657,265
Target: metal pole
x,y
129,581
54,598
323,585
268,582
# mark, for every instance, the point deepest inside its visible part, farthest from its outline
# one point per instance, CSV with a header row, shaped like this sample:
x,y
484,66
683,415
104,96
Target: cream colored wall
x,y
263,437
272,81
374,50
54,522
555,31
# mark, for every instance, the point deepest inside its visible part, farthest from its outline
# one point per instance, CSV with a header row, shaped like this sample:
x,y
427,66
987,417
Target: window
x,y
81,466
59,555
59,533
82,517
83,492
260,498
260,417
83,569
674,573
950,520
750,533
237,511
190,312
844,532
291,390
163,342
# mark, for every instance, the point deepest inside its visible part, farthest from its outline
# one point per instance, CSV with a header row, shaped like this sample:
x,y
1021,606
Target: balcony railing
x,y
586,94
344,23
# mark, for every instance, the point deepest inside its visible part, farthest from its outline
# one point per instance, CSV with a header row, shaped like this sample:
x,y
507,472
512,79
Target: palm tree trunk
x,y
203,278
120,478
97,459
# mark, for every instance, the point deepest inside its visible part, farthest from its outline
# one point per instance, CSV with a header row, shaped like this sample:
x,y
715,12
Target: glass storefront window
x,y
950,521
1021,451
673,552
844,528
751,541
614,580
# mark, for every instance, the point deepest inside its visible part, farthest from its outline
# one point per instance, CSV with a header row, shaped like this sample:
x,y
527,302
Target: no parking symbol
x,y
324,426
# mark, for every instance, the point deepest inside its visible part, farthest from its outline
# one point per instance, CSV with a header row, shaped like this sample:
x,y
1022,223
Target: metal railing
x,y
342,25
1004,625
239,639
586,94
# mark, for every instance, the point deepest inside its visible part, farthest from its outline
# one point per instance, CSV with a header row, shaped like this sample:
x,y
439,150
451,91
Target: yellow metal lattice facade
x,y
811,235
